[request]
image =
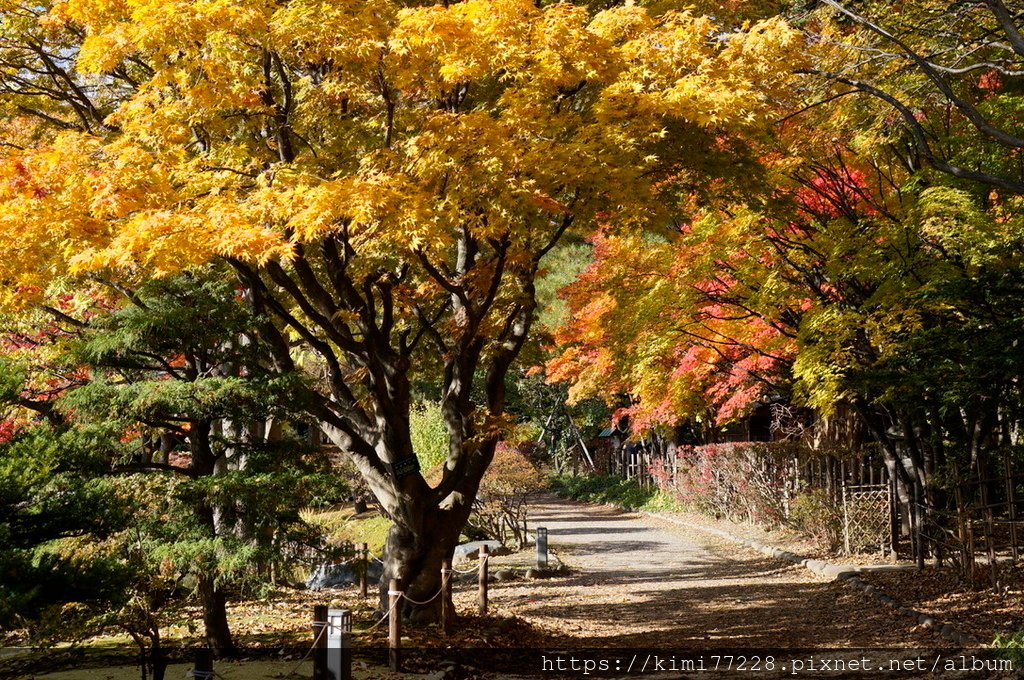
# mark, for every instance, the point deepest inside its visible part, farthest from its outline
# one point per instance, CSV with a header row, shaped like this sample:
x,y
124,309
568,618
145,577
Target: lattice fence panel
x,y
866,511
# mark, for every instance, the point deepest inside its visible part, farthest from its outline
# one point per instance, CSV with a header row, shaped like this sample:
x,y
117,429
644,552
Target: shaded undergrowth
x,y
625,493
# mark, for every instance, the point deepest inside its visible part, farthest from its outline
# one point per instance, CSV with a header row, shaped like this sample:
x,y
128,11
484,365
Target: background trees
x,y
165,471
947,72
874,265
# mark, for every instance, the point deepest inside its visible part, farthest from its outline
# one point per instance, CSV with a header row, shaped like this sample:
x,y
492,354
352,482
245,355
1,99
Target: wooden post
x,y
203,669
911,518
990,545
320,642
1011,506
846,523
918,523
972,547
447,605
364,560
894,521
986,510
966,553
395,626
482,581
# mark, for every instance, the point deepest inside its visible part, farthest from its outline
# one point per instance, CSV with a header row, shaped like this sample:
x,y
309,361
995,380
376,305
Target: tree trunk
x,y
215,618
213,598
158,661
415,557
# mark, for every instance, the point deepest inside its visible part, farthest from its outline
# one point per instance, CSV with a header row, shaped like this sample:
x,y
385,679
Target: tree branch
x,y
972,114
918,134
1005,19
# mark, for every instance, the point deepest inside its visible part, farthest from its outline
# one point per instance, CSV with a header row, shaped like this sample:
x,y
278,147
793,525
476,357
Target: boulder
x,y
338,575
470,550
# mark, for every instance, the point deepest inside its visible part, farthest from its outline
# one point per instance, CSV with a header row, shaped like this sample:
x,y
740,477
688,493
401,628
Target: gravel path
x,y
640,582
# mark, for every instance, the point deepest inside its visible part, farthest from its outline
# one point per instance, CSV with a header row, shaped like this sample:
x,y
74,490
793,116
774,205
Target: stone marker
x,y
542,548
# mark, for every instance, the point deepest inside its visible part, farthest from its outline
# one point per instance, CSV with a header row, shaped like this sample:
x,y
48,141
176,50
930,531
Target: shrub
x,y
500,510
626,493
741,481
817,516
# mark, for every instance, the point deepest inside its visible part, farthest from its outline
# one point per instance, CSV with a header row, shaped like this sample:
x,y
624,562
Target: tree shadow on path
x,y
636,583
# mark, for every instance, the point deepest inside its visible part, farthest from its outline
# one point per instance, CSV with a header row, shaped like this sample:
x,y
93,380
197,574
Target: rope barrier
x,y
342,563
389,612
422,604
469,571
323,626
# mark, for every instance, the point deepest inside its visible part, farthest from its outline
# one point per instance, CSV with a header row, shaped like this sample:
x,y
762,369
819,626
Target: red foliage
x,y
990,80
833,194
741,481
8,430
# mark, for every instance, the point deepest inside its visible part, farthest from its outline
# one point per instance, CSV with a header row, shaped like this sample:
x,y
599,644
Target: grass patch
x,y
1010,647
342,526
625,493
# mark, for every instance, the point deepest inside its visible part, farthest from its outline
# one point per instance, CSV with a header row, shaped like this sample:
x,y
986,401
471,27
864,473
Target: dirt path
x,y
639,582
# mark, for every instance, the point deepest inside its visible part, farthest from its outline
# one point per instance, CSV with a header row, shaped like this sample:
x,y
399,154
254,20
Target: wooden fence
x,y
974,524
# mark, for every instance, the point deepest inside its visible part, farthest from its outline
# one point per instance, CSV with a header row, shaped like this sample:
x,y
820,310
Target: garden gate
x,y
866,517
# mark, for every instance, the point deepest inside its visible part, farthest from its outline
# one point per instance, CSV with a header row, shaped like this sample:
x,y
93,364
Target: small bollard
x,y
447,606
542,548
320,633
364,562
482,580
395,626
339,644
203,667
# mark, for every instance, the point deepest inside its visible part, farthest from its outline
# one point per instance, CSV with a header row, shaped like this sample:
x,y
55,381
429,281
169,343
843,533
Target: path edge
x,y
846,573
